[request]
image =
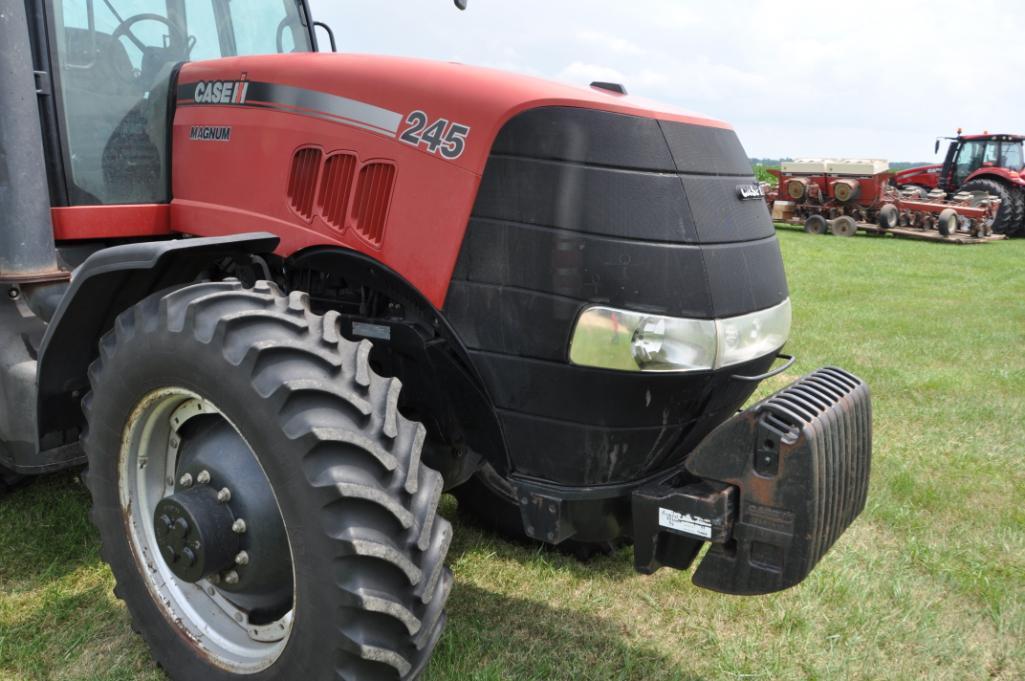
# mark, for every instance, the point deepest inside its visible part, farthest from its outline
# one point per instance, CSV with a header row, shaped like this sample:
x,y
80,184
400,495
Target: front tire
x,y
364,544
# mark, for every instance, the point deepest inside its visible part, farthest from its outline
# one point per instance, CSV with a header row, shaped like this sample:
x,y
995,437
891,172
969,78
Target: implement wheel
x,y
260,500
844,226
947,222
815,224
888,216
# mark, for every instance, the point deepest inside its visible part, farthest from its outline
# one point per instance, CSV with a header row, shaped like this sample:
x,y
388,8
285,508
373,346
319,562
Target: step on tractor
x,y
273,303
977,164
841,196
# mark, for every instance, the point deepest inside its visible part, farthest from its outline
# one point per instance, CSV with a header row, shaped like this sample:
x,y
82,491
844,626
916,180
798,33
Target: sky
x,y
869,79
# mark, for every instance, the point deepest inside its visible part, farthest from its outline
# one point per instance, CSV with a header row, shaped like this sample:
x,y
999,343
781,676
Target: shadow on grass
x,y
495,636
471,534
46,535
45,532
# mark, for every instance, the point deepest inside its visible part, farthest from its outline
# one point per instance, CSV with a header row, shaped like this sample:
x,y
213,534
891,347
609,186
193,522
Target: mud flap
x,y
772,489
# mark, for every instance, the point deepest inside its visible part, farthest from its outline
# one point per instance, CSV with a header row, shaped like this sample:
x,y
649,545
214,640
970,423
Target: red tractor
x,y
277,302
978,164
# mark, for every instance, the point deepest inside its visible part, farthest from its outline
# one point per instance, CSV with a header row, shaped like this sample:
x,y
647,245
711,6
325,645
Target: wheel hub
x,y
193,529
207,529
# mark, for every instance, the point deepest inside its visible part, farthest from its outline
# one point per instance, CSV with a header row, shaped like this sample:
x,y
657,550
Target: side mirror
x,y
461,4
936,149
330,34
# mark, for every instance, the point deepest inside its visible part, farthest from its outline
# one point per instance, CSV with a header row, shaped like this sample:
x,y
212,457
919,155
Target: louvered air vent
x,y
335,188
302,181
373,196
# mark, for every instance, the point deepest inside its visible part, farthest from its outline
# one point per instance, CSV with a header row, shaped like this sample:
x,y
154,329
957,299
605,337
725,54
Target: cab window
x,y
115,60
1011,156
969,158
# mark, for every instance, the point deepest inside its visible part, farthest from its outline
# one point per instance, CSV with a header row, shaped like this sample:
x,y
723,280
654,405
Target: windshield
x,y
116,58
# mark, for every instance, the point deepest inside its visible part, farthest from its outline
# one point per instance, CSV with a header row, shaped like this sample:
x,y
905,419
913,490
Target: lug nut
x,y
239,526
231,577
180,528
186,480
224,495
242,558
203,478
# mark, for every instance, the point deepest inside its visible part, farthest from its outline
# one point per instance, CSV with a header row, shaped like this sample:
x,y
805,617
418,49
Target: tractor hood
x,y
512,204
387,95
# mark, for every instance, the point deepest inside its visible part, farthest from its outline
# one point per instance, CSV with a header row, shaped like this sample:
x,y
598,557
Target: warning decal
x,y
685,522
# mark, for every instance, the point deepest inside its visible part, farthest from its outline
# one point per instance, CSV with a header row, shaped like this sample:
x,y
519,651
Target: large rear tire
x,y
1010,219
357,508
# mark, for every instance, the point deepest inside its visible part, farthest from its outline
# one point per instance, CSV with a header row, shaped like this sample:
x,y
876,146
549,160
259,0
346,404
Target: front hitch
x,y
772,489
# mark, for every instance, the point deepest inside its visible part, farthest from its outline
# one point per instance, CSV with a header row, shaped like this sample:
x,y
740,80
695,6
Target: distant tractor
x,y
986,163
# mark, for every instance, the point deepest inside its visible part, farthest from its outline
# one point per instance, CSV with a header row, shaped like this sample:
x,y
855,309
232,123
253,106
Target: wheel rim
x,y
213,616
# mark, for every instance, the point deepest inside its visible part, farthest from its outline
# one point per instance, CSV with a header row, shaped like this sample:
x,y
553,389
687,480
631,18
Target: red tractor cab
x,y
986,163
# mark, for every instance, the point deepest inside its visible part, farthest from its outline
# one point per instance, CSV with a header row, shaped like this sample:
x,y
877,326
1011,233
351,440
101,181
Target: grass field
x,y
928,583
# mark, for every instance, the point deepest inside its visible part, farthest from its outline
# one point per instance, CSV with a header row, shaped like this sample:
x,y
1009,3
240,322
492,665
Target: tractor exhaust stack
x,y
27,252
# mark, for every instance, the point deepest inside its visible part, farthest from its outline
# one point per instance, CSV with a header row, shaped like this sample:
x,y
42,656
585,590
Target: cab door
x,y
970,158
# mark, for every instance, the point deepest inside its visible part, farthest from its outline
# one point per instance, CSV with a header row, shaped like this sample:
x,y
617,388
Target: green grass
x,y
762,173
928,583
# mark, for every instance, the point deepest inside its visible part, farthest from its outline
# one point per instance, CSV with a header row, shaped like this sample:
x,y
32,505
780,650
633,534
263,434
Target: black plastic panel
x,y
710,151
580,207
594,396
587,136
720,216
519,322
596,200
583,454
745,277
578,426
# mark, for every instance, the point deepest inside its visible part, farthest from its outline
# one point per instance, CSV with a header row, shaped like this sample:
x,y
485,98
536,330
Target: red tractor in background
x,y
986,163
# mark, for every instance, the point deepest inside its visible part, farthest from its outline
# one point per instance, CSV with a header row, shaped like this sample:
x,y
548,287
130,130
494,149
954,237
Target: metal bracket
x,y
43,87
790,359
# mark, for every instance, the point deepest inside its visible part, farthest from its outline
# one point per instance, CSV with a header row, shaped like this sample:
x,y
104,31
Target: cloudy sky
x,y
865,78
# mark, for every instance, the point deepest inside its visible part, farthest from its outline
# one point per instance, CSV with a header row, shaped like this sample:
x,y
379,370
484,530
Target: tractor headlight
x,y
748,336
610,338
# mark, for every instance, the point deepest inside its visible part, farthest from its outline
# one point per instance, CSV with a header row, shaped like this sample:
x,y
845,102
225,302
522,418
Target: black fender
x,y
435,367
107,283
